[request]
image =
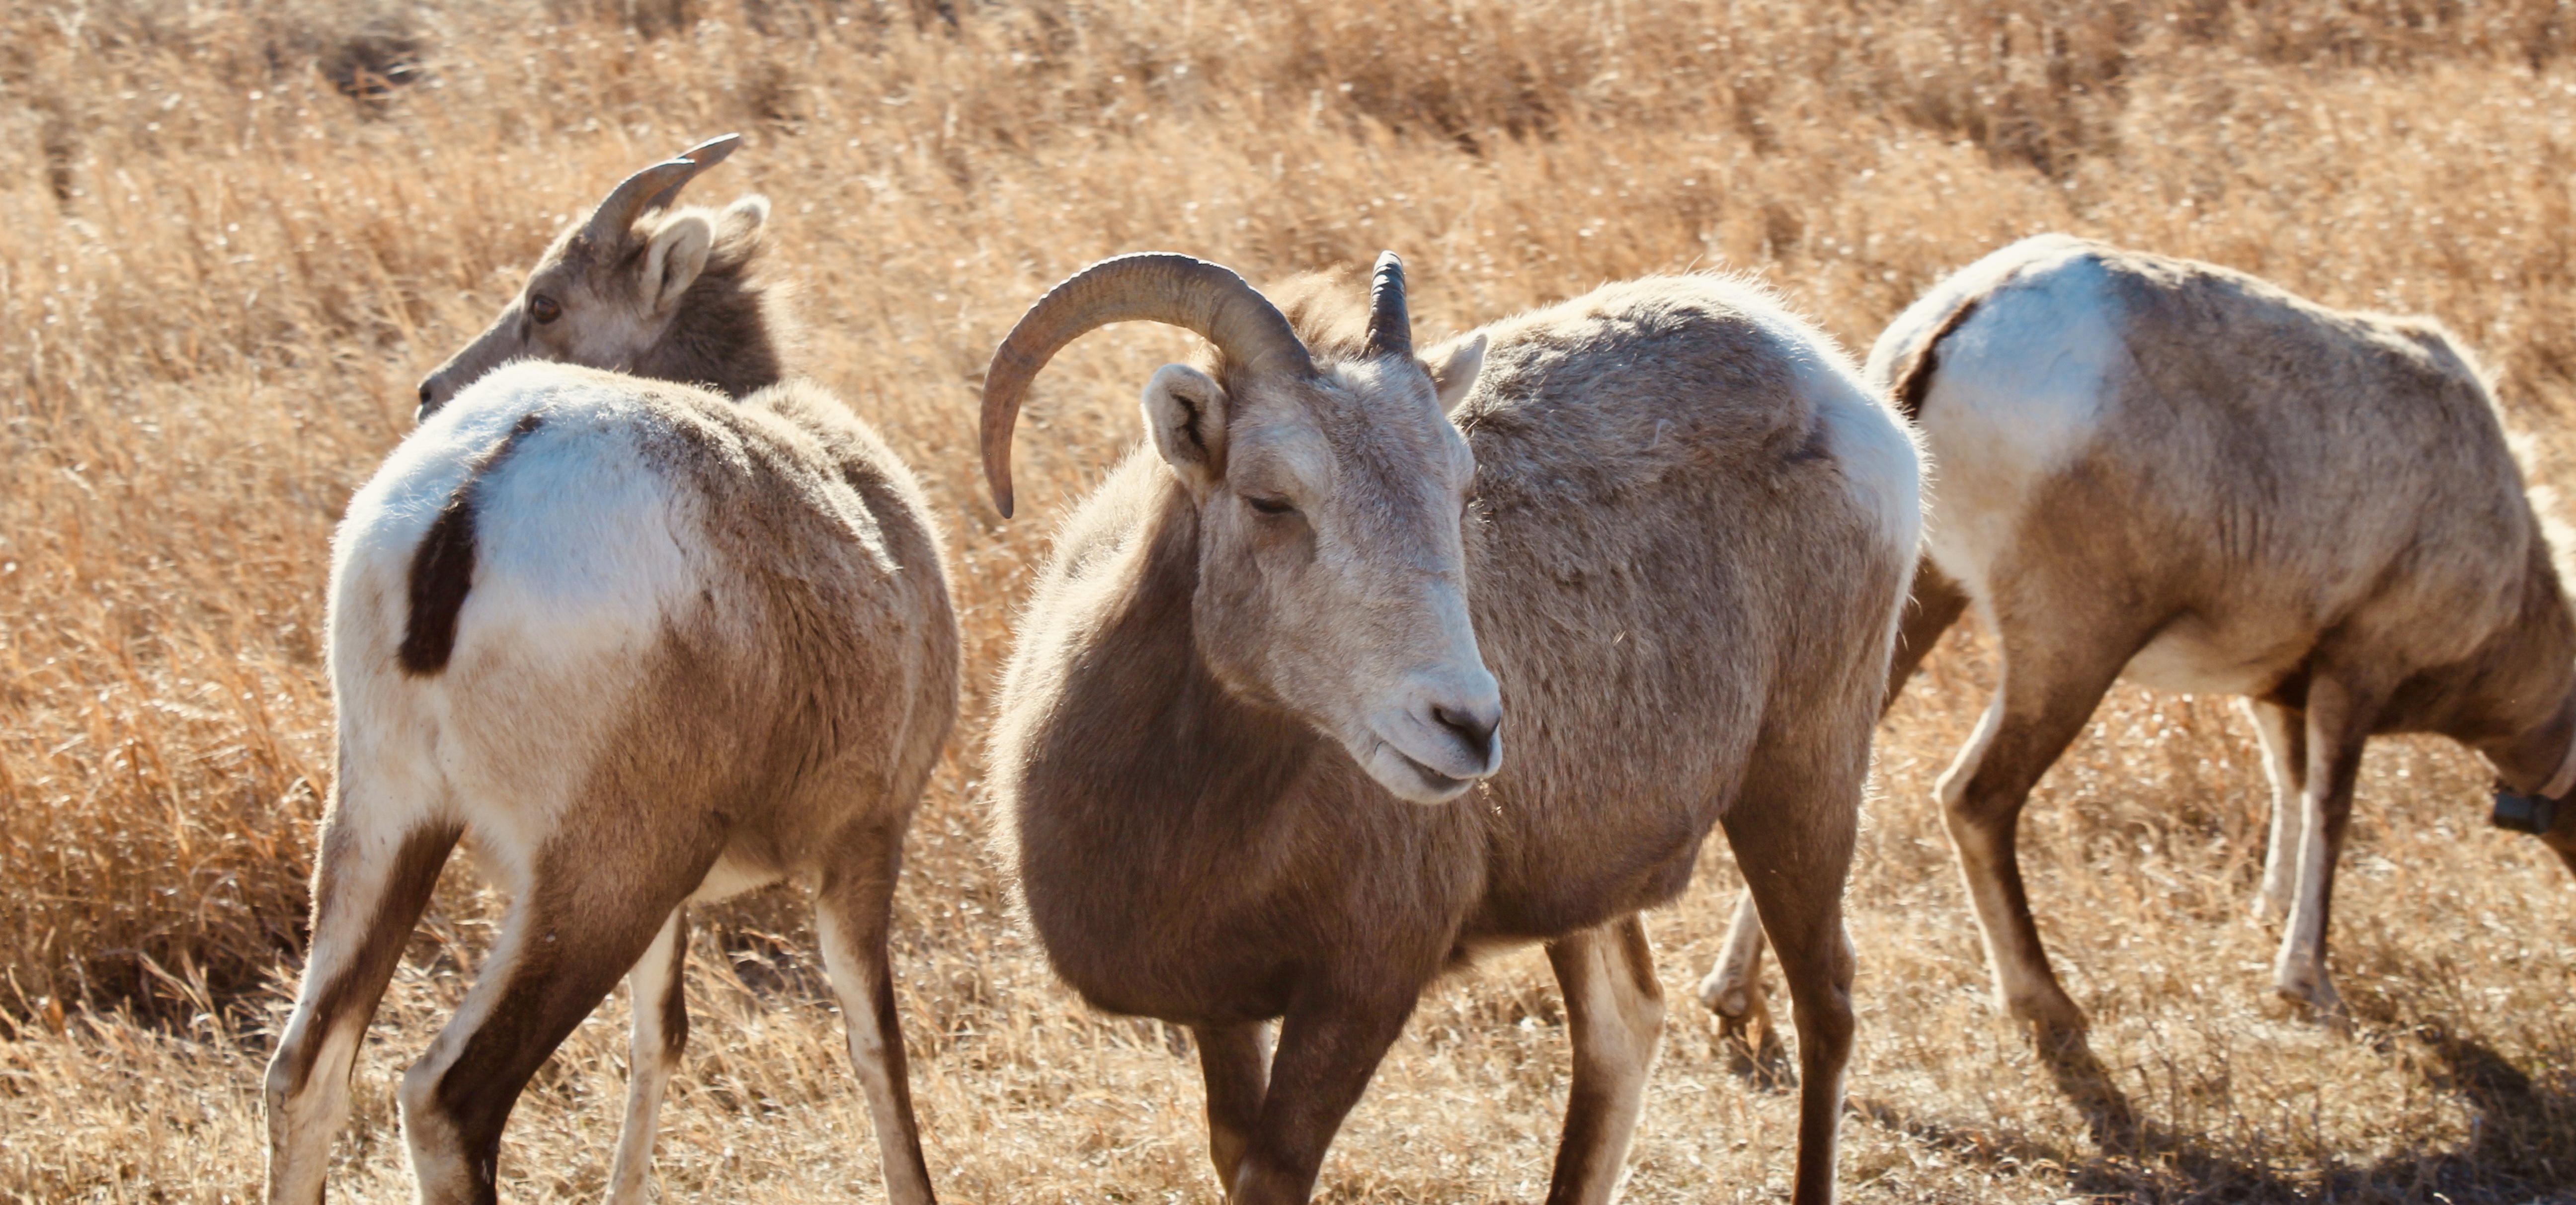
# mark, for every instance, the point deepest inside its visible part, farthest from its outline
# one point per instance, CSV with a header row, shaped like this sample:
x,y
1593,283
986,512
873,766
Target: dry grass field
x,y
234,234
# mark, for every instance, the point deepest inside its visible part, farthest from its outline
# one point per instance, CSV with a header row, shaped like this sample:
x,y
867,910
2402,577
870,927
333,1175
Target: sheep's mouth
x,y
1434,779
1410,778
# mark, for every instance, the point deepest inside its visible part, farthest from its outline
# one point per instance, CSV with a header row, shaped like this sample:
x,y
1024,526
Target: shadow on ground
x,y
2522,1150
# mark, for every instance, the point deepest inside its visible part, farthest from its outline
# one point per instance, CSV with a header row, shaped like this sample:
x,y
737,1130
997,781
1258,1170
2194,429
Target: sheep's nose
x,y
1473,725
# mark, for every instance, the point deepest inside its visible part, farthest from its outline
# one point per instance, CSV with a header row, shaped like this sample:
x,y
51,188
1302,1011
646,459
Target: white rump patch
x,y
2016,395
584,553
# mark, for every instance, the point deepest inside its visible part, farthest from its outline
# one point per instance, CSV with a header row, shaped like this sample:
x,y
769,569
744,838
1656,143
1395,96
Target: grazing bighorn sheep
x,y
2167,471
636,643
1235,746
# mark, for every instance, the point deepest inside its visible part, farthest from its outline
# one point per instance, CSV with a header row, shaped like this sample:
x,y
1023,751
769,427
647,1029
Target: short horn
x,y
654,187
705,155
1390,328
1156,286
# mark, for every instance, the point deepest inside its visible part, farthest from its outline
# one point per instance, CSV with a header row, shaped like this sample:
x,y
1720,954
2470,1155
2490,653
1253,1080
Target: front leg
x,y
1329,1045
2340,716
1235,1060
2284,735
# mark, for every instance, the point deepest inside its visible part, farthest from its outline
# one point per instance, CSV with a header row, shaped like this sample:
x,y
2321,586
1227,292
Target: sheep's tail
x,y
1915,365
442,568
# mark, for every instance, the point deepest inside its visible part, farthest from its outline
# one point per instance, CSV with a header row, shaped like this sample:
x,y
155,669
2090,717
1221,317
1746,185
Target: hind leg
x,y
576,924
853,912
1733,990
2561,837
661,1033
2052,680
1938,601
1615,1012
1795,844
377,865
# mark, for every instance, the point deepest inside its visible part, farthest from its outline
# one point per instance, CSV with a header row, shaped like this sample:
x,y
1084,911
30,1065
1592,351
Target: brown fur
x,y
1689,615
726,331
776,714
2317,509
785,724
395,909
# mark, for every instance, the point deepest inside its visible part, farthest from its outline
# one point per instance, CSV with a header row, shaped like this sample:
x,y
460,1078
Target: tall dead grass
x,y
233,235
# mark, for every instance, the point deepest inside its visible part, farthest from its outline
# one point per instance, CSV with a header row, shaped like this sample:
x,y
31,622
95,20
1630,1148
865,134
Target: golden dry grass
x,y
232,237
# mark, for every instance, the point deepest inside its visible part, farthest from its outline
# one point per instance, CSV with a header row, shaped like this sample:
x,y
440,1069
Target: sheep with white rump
x,y
633,641
2161,470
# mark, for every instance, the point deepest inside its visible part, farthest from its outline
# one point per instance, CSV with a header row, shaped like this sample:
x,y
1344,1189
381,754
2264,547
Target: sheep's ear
x,y
740,228
673,260
1185,409
1455,374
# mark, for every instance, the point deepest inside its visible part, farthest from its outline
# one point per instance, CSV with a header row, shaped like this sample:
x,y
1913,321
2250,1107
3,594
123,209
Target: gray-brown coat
x,y
2164,470
634,643
1688,531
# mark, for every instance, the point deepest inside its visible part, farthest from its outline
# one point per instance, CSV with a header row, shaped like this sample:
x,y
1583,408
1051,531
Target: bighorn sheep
x,y
1235,745
636,643
2168,471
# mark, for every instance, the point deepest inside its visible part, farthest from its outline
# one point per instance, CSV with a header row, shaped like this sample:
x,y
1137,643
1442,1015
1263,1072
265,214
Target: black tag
x,y
2524,813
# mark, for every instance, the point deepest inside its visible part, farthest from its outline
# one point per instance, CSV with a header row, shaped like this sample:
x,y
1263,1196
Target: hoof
x,y
1746,1031
1732,999
2319,1001
1764,1065
2055,1040
2054,1017
1755,1053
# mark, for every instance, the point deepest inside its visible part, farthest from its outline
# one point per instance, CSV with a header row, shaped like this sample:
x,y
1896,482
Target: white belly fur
x,y
2189,658
729,878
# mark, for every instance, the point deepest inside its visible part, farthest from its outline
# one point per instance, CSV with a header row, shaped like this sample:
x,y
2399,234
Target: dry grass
x,y
232,236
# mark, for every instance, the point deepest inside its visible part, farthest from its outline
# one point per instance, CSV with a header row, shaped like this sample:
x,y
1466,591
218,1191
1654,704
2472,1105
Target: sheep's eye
x,y
544,309
1271,505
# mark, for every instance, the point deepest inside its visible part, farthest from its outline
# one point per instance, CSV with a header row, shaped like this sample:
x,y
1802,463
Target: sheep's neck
x,y
1150,819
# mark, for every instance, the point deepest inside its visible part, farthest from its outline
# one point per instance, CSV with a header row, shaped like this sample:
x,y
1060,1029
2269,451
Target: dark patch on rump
x,y
442,568
354,991
1917,379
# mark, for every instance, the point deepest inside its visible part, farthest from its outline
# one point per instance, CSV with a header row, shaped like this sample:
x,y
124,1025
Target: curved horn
x,y
654,188
705,155
1390,328
1154,286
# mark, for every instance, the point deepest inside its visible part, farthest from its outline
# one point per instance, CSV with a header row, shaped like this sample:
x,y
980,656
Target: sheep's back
x,y
1692,529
